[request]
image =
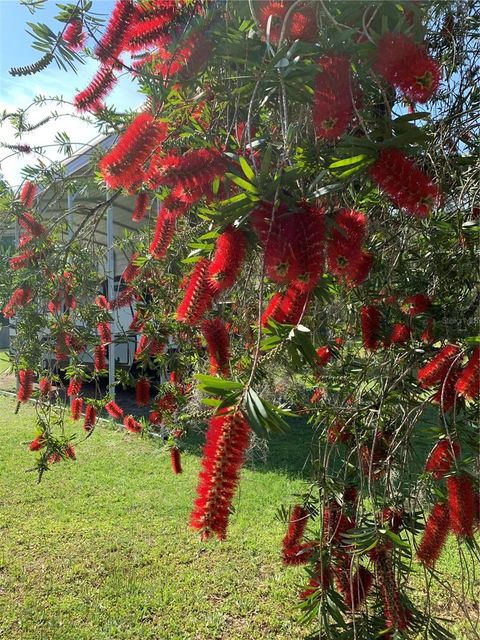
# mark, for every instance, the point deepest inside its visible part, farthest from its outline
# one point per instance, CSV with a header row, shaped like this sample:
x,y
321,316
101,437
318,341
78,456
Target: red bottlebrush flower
x,y
104,332
102,303
275,12
111,43
149,346
164,231
218,343
436,370
99,358
21,261
227,439
74,387
417,304
321,579
114,410
198,296
176,460
293,552
155,417
25,382
335,523
74,35
131,424
441,457
37,444
123,165
131,270
142,391
324,355
317,395
301,25
372,457
141,204
359,269
332,101
461,505
358,587
192,174
76,406
407,66
148,29
227,259
346,258
405,184
297,555
45,387
468,383
286,308
19,298
338,431
91,98
34,228
123,299
400,333
27,194
393,517
396,616
434,534
446,396
350,494
370,321
55,457
90,417
69,452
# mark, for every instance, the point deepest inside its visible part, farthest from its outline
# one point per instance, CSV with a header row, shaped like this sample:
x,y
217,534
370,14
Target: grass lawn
x,y
101,550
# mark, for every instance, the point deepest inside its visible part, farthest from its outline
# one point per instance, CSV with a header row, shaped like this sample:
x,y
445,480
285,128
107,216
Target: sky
x,y
18,92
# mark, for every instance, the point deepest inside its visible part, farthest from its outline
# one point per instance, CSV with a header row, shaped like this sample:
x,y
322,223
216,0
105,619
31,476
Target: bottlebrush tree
x,y
316,165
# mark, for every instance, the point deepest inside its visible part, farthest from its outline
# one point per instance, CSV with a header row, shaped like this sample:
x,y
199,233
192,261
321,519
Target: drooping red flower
x,y
407,66
357,587
19,298
346,258
218,344
198,296
131,424
293,551
74,386
324,355
76,406
468,383
99,358
34,228
102,303
396,616
438,367
25,259
25,385
149,27
111,43
461,505
28,193
90,417
91,98
227,259
69,452
114,410
400,333
45,387
150,346
124,298
132,270
321,579
104,332
446,396
332,101
335,523
416,304
317,395
370,321
227,439
142,392
441,457
434,534
141,204
164,230
338,431
286,308
38,443
123,165
405,184
301,25
176,461
74,35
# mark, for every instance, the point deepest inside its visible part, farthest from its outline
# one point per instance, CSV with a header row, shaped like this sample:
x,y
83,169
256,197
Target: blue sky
x,y
17,92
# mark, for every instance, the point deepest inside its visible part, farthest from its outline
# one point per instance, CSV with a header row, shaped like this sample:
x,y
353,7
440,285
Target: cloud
x,y
18,93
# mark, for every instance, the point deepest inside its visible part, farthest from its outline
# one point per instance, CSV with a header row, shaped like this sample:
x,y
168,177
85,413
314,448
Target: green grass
x,y
101,549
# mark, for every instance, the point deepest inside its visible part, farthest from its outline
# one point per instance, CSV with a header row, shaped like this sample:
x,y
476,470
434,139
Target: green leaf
x,y
348,161
248,186
247,170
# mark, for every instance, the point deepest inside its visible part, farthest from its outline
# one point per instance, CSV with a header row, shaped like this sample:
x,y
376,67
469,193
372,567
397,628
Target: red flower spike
x,y
358,587
324,355
176,460
198,295
338,432
317,395
359,269
114,410
21,261
400,333
441,457
102,303
45,387
131,424
335,523
293,552
407,66
122,166
406,185
434,535
370,321
321,579
27,221
99,358
74,387
90,418
91,98
227,440
164,231
287,308
396,616
124,299
461,505
111,43
227,259
69,452
25,385
76,406
332,101
468,383
301,25
436,370
417,304
218,343
74,35
446,396
131,270
141,204
142,392
27,194
37,444
104,332
19,298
